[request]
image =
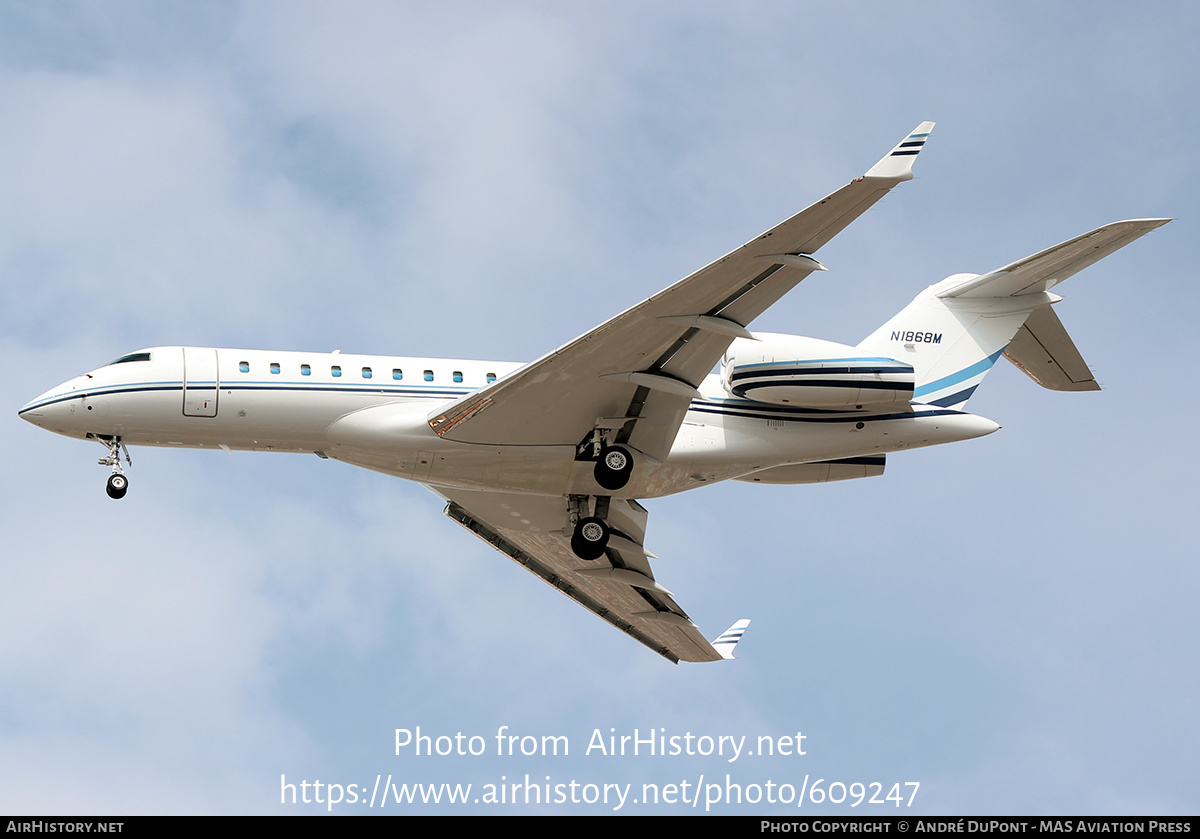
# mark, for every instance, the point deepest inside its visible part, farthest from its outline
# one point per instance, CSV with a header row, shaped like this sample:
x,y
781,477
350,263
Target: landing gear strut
x,y
118,484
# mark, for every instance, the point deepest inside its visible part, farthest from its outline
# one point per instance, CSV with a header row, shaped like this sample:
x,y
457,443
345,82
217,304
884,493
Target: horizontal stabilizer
x,y
954,331
727,640
1045,352
1048,268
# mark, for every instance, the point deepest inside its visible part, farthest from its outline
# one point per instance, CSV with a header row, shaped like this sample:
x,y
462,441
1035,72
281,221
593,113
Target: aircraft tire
x,y
590,538
614,467
117,486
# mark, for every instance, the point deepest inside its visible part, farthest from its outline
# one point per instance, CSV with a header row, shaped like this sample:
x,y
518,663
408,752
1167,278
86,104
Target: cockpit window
x,y
133,356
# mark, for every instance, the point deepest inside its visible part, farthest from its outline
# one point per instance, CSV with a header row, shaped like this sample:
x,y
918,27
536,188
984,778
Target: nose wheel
x,y
117,484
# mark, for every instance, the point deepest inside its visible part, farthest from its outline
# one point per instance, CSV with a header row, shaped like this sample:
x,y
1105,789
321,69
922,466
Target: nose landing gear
x,y
117,484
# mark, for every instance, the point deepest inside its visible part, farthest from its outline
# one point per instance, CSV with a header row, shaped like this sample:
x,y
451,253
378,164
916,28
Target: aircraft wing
x,y
640,369
619,587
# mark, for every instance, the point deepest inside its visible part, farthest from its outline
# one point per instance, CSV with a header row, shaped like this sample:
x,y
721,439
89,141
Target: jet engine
x,y
798,371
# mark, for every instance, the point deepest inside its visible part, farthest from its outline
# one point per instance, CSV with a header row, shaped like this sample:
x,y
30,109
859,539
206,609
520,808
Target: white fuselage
x,y
373,411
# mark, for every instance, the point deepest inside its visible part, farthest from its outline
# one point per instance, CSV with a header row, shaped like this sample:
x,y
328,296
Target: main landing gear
x,y
612,471
118,484
613,468
614,462
589,537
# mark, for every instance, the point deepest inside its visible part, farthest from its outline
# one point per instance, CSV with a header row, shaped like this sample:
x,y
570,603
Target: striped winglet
x,y
897,164
727,640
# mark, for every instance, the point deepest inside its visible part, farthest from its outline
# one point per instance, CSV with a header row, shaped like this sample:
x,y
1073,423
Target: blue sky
x,y
1009,622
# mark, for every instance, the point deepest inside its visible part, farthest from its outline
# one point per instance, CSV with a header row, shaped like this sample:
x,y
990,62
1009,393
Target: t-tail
x,y
954,331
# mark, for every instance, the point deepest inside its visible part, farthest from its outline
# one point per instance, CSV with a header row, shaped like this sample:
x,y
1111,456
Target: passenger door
x,y
200,382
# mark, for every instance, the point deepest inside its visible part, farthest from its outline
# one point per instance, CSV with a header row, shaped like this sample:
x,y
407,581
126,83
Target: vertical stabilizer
x,y
950,346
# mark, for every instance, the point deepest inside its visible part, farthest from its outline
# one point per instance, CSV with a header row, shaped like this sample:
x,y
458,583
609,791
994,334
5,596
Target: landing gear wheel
x,y
614,467
118,484
590,538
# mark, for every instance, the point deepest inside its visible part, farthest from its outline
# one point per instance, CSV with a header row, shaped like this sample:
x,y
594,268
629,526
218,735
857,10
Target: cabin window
x,y
133,356
274,366
458,376
305,370
397,373
366,372
491,377
336,371
429,375
244,366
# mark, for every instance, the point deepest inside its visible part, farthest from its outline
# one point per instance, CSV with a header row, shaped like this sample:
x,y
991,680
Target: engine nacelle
x,y
799,371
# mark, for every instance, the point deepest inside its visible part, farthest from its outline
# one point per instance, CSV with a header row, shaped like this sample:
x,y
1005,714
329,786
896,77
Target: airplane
x,y
548,461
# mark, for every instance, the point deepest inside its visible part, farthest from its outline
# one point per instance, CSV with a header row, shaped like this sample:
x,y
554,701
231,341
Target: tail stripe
x,y
961,376
954,399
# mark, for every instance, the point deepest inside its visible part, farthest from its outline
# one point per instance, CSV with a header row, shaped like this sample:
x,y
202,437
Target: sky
x,y
1001,626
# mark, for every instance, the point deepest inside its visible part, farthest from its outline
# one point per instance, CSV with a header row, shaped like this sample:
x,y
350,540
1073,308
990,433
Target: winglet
x,y
897,164
727,640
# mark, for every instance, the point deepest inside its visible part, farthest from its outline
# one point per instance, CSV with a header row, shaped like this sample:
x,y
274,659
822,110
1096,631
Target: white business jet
x,y
546,461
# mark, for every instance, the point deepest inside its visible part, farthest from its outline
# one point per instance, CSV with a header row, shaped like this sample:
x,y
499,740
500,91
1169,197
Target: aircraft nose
x,y
49,409
35,411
